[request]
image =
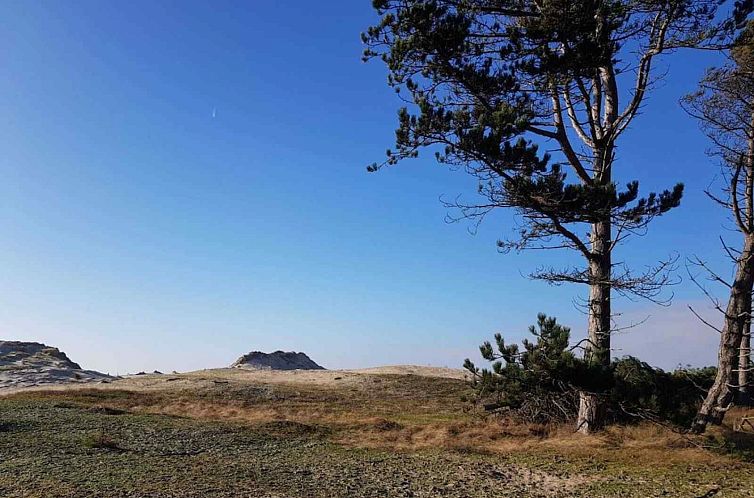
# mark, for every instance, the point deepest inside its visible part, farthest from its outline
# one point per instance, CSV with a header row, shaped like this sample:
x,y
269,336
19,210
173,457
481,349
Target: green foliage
x,y
535,381
483,77
640,390
540,381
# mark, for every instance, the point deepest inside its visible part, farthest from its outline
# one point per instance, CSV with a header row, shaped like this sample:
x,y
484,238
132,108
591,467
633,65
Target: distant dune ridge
x,y
26,364
278,360
32,365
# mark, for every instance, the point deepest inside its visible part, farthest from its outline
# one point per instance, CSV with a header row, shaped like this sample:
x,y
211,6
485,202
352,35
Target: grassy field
x,y
230,434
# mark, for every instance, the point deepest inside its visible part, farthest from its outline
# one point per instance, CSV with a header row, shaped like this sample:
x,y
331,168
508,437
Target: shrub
x,y
533,382
540,381
640,390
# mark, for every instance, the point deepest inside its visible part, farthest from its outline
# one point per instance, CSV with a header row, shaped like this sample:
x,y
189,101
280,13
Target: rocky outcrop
x,y
279,360
28,364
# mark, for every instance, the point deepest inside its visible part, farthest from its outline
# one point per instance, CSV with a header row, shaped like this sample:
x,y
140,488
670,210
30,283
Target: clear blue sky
x,y
183,182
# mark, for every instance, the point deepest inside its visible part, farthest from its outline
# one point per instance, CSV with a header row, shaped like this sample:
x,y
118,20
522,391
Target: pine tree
x,y
490,80
536,381
724,106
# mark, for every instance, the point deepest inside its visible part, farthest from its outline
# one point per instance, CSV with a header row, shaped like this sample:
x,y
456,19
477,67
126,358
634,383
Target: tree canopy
x,y
492,81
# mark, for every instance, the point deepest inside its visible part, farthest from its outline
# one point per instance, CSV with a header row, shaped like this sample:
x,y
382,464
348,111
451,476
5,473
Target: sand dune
x,y
31,364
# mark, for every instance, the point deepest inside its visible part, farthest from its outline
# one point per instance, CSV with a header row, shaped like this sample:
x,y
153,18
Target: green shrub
x,y
540,381
640,390
533,382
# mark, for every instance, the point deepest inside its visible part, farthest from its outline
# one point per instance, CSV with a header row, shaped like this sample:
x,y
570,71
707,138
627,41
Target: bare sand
x,y
203,378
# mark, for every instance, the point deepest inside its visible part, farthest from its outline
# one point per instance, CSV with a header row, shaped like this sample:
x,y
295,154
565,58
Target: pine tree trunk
x,y
744,364
744,353
720,395
591,411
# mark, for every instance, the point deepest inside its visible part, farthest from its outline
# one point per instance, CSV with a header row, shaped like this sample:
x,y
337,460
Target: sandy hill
x,y
279,360
27,364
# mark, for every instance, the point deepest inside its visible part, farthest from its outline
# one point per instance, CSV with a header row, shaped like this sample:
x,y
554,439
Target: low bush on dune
x,y
539,382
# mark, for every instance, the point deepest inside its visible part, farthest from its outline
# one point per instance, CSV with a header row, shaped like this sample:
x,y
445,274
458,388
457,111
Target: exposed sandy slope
x,y
31,364
210,377
278,360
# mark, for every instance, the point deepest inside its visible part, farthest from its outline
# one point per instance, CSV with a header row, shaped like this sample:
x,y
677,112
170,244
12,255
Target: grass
x,y
386,436
101,440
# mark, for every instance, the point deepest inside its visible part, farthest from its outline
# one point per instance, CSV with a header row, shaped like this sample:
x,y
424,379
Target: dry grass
x,y
397,412
410,416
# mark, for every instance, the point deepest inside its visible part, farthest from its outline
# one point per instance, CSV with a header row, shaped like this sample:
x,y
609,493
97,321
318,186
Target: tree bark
x,y
591,410
720,395
734,352
590,413
744,353
743,397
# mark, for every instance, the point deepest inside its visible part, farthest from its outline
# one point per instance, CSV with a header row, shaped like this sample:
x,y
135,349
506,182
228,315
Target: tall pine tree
x,y
487,81
724,106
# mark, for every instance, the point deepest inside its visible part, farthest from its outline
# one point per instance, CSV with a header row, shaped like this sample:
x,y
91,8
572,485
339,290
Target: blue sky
x,y
185,182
